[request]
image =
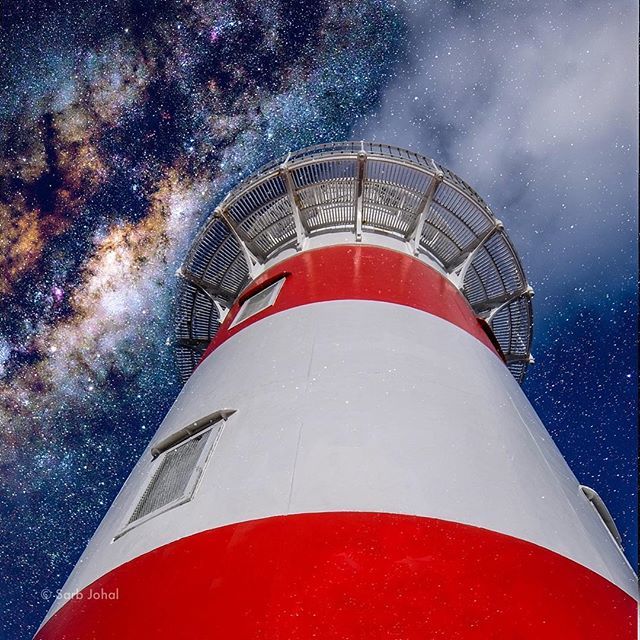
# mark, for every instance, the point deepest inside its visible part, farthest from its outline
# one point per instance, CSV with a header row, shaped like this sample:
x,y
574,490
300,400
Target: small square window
x,y
171,479
258,302
179,461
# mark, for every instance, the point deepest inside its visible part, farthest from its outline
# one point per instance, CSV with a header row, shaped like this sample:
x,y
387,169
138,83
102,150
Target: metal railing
x,y
363,187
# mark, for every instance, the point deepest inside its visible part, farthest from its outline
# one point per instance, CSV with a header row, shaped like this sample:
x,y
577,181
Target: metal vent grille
x,y
358,186
172,478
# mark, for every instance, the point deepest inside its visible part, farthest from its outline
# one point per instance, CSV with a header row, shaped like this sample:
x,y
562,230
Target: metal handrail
x,y
365,187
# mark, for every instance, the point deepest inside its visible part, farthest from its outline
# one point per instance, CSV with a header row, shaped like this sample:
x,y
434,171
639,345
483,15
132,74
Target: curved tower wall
x,y
351,458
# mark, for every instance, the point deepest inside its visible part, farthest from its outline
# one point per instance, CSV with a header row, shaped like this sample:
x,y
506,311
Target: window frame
x,y
275,286
212,422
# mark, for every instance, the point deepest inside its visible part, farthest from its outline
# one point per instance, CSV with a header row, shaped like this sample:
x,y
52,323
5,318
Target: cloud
x,y
535,107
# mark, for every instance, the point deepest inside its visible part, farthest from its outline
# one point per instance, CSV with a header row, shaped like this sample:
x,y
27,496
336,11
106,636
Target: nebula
x,y
119,131
123,124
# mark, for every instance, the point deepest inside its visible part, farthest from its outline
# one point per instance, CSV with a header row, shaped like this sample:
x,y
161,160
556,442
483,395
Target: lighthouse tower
x,y
351,455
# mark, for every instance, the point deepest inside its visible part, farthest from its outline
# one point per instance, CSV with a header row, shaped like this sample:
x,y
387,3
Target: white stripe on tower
x,y
382,474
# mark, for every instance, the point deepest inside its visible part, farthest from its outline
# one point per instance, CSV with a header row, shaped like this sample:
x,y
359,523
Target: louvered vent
x,y
171,480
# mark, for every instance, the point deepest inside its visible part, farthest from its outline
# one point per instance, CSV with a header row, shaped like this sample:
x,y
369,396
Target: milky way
x,y
122,125
120,131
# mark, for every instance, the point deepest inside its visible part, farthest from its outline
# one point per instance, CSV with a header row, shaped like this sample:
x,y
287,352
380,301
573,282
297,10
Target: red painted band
x,y
358,272
348,576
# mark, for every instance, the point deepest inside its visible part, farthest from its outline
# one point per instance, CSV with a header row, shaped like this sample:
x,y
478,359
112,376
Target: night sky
x,y
121,126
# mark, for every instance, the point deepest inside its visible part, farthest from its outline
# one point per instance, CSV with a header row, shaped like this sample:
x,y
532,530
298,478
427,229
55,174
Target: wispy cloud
x,y
535,105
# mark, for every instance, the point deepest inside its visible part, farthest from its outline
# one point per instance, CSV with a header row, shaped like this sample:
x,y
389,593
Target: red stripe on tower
x,y
357,272
348,575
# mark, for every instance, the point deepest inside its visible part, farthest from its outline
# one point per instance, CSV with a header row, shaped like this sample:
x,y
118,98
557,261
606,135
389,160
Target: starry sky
x,y
123,123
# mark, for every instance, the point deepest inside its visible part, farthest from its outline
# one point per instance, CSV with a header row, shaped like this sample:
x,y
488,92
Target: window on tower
x,y
172,477
178,463
258,302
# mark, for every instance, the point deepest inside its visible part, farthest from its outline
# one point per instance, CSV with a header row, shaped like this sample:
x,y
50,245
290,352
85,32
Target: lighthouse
x,y
351,455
